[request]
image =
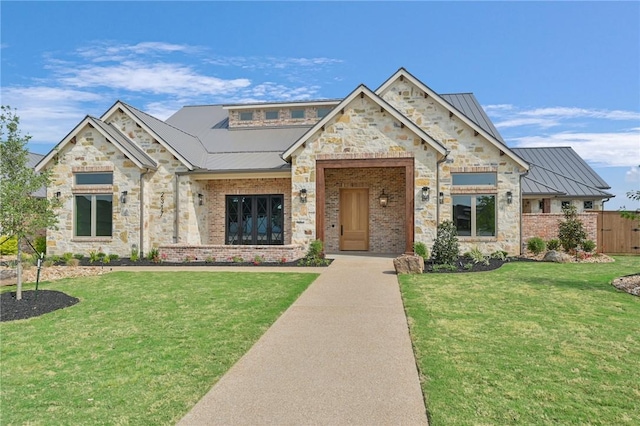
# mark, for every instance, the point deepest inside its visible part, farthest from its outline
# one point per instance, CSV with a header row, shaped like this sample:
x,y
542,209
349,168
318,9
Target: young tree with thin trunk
x,y
21,214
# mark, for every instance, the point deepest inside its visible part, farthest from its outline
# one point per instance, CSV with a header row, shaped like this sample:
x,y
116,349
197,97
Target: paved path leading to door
x,y
341,354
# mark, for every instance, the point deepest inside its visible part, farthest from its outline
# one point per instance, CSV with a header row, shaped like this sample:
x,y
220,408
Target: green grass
x,y
529,343
140,348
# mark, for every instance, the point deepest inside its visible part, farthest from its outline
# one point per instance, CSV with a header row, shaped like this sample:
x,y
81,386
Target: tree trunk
x,y
19,272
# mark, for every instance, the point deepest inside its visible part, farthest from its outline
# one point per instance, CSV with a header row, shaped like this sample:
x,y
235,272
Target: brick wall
x,y
224,253
386,224
545,225
217,190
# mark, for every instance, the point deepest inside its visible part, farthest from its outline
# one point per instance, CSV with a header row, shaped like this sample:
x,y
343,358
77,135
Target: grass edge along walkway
x,y
139,348
530,343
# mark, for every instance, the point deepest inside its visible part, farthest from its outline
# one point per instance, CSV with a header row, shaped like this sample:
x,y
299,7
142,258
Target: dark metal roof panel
x,y
467,104
185,144
246,161
33,159
540,180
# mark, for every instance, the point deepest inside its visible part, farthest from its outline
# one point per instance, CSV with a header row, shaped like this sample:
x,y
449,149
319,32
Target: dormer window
x,y
246,116
322,112
272,115
297,113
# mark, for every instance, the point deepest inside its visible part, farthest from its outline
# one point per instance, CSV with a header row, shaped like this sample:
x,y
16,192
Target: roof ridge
x,y
545,185
161,121
541,147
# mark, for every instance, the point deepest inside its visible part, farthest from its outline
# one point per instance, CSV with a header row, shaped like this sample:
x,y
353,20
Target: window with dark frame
x,y
322,112
254,219
475,215
297,113
272,115
565,204
588,205
462,179
246,116
93,212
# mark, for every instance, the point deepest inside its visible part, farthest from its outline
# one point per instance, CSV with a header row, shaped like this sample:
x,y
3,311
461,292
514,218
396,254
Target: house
x,y
375,171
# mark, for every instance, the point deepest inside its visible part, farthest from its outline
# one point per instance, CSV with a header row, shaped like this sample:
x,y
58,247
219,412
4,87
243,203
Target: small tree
x,y
21,214
571,232
632,195
445,248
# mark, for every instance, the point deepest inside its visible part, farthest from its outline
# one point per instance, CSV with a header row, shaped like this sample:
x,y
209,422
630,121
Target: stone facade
x,y
227,253
312,114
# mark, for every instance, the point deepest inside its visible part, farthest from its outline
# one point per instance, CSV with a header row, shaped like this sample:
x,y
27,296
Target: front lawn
x,y
529,343
139,348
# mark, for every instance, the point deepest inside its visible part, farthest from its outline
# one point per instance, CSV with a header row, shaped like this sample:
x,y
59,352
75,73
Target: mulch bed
x,y
47,301
476,267
146,262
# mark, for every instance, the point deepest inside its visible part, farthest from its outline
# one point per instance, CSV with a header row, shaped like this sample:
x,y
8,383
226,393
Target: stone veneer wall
x,y
284,118
223,253
386,224
545,225
215,201
469,153
361,131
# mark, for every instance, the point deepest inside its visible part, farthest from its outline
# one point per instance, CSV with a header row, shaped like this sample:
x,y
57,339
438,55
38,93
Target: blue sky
x,y
547,73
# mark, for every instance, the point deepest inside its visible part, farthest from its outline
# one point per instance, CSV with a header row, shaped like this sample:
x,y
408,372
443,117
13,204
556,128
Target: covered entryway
x,y
349,215
354,219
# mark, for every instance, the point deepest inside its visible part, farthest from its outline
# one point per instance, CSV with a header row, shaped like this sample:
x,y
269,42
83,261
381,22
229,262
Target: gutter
x,y
176,215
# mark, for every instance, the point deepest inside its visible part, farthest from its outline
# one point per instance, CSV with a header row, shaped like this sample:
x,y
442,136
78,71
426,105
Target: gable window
x,y
94,215
588,205
322,112
461,179
254,219
297,113
246,116
475,215
94,178
272,115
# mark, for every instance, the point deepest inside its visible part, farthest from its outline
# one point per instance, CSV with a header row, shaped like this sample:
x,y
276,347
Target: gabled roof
x,y
365,91
559,171
403,73
129,149
185,147
469,106
32,160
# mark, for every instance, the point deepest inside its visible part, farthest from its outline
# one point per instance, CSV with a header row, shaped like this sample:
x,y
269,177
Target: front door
x,y
354,219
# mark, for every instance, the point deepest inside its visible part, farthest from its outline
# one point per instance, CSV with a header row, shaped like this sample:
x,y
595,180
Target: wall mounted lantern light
x,y
509,197
58,194
441,197
425,193
303,195
384,199
200,199
123,197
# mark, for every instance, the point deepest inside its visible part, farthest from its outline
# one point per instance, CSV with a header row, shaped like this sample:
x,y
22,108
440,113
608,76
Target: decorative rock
x,y
408,264
556,256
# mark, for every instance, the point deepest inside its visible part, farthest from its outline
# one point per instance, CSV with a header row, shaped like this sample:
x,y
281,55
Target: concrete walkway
x,y
341,354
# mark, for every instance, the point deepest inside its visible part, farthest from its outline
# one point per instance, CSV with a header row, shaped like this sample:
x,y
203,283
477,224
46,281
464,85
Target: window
x,y
473,179
565,204
94,215
322,112
475,215
297,113
588,205
272,115
94,178
254,219
246,116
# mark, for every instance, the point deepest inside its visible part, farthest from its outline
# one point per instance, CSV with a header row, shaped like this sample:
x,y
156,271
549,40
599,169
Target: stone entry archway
x,y
376,174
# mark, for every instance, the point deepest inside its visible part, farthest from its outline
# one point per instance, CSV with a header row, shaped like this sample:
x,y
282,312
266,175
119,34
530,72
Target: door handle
x,y
341,230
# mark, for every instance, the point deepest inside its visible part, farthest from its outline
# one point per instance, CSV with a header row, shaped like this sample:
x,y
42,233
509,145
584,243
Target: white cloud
x,y
603,149
633,175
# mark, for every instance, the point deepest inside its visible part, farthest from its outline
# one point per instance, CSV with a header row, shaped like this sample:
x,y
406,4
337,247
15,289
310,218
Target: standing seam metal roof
x,y
467,104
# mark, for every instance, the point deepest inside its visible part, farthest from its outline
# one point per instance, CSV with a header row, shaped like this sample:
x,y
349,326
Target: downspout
x,y
437,194
601,230
175,210
141,250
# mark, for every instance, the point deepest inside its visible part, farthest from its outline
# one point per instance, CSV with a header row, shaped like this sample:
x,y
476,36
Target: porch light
x,y
200,199
425,193
303,195
123,197
384,199
441,197
509,197
58,194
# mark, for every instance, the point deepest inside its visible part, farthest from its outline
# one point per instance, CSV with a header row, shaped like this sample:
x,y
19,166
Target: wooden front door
x,y
354,219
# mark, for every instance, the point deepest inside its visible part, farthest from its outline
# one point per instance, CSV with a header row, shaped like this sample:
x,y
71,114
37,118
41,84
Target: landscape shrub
x,y
499,254
72,262
588,246
553,244
421,250
476,256
9,245
315,255
78,256
40,244
536,245
445,248
135,254
154,255
571,232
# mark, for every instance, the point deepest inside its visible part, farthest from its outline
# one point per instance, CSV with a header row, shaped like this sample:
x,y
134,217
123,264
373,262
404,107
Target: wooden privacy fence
x,y
617,235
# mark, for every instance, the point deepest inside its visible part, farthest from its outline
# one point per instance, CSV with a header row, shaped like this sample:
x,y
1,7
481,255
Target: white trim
x,y
405,74
362,89
280,105
120,105
87,121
